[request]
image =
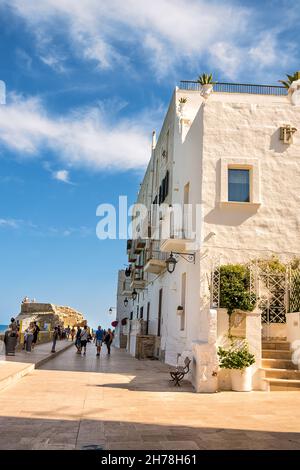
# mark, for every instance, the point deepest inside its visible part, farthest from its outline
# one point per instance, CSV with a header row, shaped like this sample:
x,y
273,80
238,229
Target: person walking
x,y
99,339
36,330
29,337
84,339
68,331
72,333
108,340
54,339
77,340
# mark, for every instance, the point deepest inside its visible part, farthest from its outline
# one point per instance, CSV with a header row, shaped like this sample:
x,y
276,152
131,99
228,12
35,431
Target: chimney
x,y
153,140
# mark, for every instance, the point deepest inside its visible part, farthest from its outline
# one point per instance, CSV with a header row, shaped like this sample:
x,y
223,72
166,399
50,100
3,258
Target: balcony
x,y
137,279
176,235
252,89
126,291
155,259
139,245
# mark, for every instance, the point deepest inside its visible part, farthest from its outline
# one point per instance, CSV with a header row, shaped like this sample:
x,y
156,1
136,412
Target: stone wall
x,y
49,314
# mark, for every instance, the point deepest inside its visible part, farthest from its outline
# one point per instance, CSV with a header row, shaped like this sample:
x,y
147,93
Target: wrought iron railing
x,y
237,88
153,251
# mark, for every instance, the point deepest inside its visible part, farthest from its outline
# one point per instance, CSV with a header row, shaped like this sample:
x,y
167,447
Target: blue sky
x,y
87,81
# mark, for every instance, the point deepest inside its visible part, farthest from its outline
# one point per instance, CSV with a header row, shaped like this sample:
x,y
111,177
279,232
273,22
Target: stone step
x,y
276,354
280,345
272,373
280,385
278,364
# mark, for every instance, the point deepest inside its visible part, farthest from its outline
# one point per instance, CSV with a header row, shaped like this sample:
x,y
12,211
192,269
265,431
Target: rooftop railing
x,y
237,88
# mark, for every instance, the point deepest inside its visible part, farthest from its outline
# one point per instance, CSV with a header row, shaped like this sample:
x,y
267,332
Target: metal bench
x,y
179,372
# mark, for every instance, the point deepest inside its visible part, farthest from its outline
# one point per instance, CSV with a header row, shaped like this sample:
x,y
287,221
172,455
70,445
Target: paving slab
x,y
13,368
118,402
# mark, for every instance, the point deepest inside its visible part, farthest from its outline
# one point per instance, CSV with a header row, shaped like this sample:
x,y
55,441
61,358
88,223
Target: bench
x,y
179,372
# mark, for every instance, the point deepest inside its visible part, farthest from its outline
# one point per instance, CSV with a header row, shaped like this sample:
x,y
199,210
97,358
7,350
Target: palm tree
x,y
291,78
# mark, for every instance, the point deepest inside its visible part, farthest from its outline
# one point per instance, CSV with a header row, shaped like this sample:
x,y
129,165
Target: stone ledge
x,y
12,371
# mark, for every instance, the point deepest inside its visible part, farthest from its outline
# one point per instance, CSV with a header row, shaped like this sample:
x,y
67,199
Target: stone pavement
x,y
12,368
120,403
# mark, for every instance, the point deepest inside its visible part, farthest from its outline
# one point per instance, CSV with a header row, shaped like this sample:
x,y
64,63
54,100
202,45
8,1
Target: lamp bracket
x,y
189,257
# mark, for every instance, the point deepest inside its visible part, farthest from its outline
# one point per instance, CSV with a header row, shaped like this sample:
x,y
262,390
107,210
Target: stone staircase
x,y
280,373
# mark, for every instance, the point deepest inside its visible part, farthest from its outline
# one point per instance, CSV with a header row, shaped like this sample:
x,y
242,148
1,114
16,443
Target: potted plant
x,y
293,85
206,81
238,360
179,310
181,103
290,79
235,290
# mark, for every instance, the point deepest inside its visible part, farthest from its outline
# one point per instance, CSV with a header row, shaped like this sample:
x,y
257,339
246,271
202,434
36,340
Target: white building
x,y
234,157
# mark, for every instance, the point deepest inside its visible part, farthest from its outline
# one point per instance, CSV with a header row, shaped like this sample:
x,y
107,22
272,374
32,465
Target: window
x,y
238,185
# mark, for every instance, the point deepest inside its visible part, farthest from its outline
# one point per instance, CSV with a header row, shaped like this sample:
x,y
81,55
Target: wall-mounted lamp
x,y
134,294
172,261
125,302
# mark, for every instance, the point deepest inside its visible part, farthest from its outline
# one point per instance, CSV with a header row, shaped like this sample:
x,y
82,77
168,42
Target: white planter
x,y
206,90
241,379
180,107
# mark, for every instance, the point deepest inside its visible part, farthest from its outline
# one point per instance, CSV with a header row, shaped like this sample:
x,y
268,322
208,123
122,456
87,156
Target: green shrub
x,y
234,288
235,358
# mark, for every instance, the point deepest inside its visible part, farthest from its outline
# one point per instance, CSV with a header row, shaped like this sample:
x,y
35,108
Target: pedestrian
x,y
29,337
68,331
72,332
108,340
36,330
77,340
54,339
84,338
99,340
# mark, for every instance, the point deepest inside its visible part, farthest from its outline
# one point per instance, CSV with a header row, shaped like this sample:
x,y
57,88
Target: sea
x,y
3,328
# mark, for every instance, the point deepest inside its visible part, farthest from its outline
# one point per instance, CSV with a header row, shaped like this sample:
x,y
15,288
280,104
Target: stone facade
x,y
49,315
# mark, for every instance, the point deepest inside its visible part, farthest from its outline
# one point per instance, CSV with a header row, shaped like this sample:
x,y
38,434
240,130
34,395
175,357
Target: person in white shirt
x,y
83,338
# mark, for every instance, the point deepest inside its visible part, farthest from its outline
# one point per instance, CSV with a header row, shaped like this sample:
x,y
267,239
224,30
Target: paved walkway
x,y
119,402
12,368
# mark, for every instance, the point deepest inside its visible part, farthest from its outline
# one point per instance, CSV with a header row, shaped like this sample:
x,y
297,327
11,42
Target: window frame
x,y
254,181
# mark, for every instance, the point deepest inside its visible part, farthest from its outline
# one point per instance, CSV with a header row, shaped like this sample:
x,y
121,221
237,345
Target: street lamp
x,y
171,261
134,294
111,310
125,302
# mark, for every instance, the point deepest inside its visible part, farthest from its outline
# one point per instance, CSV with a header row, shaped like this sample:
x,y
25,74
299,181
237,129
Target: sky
x,y
87,81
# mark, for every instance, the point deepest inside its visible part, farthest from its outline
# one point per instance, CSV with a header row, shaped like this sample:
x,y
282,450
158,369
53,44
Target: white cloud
x,y
62,175
227,58
83,138
9,223
166,33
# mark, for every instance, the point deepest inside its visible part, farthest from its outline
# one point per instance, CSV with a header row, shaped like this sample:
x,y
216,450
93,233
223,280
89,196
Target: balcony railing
x,y
237,88
153,252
